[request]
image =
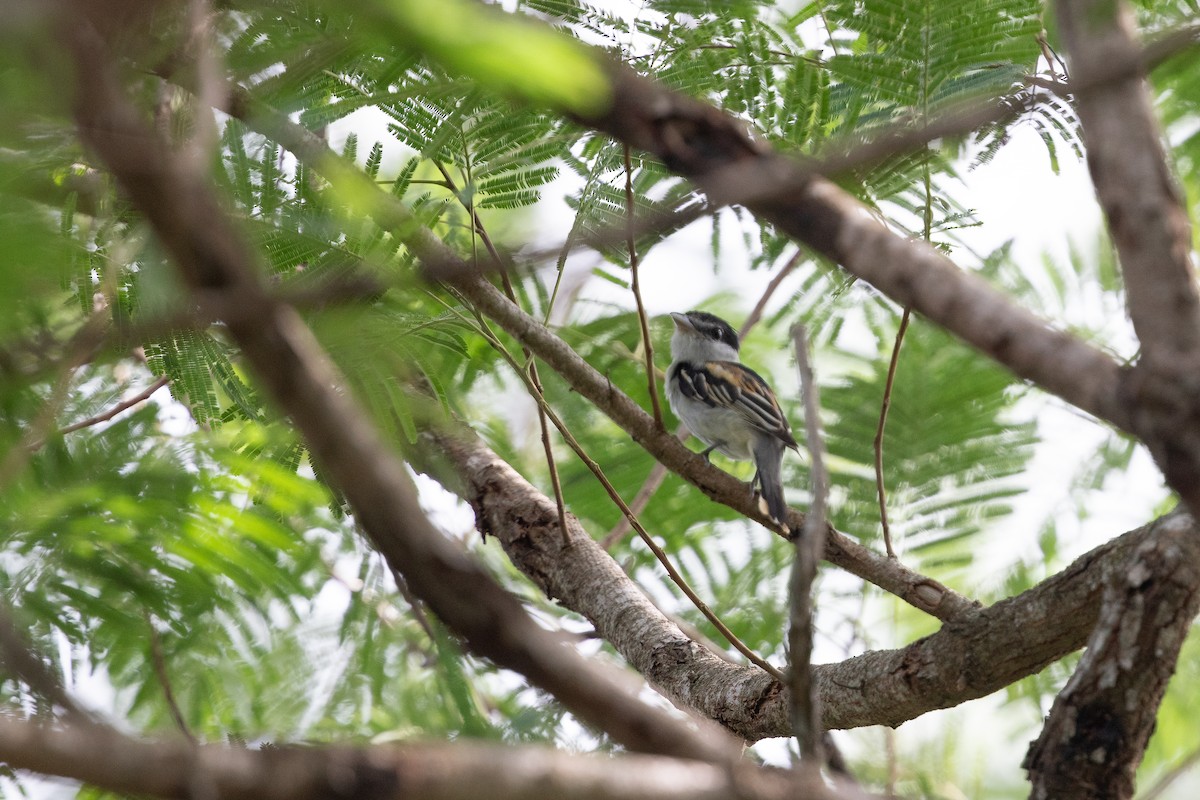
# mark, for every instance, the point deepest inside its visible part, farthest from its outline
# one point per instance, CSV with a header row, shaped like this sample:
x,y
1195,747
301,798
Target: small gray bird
x,y
727,405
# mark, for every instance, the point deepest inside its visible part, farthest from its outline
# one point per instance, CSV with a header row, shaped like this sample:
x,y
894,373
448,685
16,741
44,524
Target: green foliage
x,y
502,52
953,448
198,527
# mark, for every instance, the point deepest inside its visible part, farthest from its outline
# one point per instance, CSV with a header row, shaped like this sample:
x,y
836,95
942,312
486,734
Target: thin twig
x,y
414,602
658,472
615,496
1048,54
654,479
535,388
886,403
769,292
124,405
880,488
805,710
535,384
164,680
631,243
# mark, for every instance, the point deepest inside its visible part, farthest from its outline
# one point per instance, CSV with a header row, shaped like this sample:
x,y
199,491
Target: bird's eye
x,y
717,334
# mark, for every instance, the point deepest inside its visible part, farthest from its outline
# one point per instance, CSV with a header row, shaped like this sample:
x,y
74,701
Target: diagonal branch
x,y
119,408
918,590
211,254
845,156
714,150
1149,226
970,657
647,539
1135,187
435,771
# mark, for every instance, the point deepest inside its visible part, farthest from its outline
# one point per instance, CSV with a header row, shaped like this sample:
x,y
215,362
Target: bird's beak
x,y
682,322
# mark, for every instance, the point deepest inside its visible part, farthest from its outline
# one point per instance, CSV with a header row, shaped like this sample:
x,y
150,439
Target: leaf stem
x,y
631,242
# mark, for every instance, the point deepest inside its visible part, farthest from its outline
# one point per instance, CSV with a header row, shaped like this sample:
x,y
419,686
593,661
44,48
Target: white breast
x,y
727,430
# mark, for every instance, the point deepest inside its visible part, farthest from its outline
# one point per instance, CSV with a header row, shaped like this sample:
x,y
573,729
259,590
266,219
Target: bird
x,y
727,405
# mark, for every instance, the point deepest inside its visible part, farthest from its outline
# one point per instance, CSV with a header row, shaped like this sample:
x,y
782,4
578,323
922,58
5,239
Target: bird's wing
x,y
728,384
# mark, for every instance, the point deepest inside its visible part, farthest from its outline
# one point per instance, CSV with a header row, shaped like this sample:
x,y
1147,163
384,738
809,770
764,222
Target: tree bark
x,y
1098,728
1149,226
969,657
447,771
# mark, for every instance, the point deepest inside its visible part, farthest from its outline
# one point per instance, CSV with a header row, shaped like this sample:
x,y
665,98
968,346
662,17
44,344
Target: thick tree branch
x,y
1135,187
212,255
970,657
849,154
1149,226
1101,722
174,769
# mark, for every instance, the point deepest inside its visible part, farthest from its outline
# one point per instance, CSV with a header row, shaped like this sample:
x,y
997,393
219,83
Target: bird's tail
x,y
768,458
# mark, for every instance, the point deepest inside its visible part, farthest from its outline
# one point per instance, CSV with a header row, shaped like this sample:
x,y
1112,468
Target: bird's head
x,y
700,336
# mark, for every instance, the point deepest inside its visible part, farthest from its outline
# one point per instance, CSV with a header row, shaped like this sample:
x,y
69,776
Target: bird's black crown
x,y
713,327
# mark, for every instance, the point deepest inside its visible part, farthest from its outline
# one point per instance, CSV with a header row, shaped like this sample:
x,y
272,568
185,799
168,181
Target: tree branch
x,y
714,150
848,154
175,769
1100,723
970,657
1149,226
805,711
1141,201
660,554
918,590
120,407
